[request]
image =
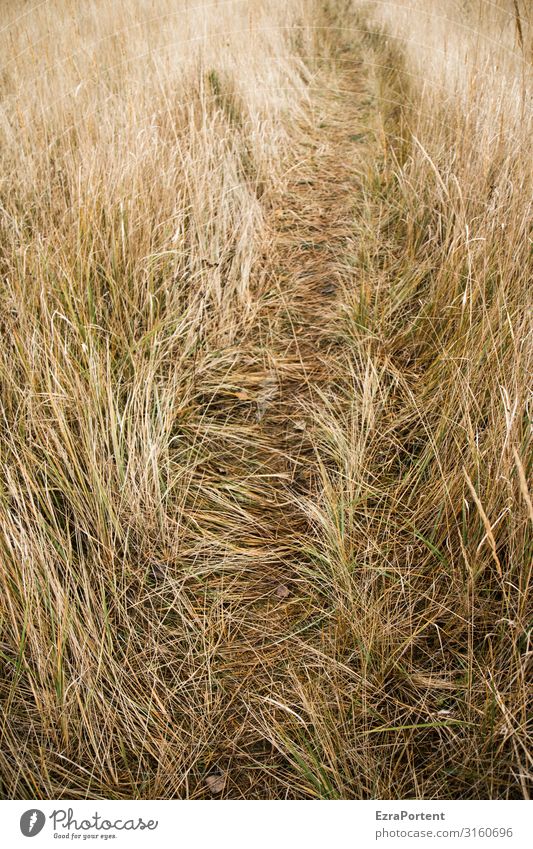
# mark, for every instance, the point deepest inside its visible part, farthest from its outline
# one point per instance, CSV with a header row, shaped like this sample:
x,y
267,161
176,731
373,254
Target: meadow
x,y
265,395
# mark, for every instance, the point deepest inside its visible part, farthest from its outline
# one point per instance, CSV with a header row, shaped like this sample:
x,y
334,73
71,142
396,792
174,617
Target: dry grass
x,y
264,375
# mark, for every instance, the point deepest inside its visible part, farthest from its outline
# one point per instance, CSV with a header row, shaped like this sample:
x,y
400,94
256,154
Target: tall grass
x,y
147,508
423,522
137,140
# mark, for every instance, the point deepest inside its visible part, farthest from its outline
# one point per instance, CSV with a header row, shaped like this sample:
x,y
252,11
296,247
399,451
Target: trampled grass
x,y
265,453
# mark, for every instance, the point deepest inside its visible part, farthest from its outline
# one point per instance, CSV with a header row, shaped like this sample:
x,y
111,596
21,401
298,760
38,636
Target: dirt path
x,y
293,359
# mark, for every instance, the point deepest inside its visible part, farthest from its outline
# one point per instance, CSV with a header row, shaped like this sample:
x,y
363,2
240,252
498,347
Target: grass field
x,y
265,385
